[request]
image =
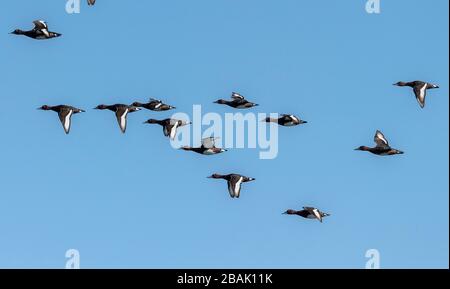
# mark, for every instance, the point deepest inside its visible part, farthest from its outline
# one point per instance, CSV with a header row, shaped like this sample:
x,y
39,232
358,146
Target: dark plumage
x,y
234,182
308,213
286,120
238,101
65,113
122,111
382,148
39,32
154,105
207,148
420,89
169,125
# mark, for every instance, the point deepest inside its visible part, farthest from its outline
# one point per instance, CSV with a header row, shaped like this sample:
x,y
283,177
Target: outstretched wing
x,y
234,186
421,92
209,142
317,215
172,129
39,24
42,27
380,140
155,100
121,115
65,116
315,212
236,95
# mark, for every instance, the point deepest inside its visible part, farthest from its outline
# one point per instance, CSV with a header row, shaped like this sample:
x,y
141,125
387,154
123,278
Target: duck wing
x,y
420,91
234,186
65,116
42,27
172,129
209,142
121,115
380,140
315,212
40,24
236,95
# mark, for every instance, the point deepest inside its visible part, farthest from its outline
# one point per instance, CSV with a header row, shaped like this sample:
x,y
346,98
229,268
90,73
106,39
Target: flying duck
x,y
286,120
234,183
91,2
238,101
169,125
382,148
207,148
65,113
420,89
308,213
121,110
40,31
155,105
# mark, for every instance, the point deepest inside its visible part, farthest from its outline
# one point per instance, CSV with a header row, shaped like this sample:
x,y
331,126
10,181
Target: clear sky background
x,y
131,201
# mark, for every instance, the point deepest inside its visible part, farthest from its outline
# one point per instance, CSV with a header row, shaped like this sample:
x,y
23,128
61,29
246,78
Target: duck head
x,y
101,106
44,107
215,176
17,32
151,121
362,148
290,212
400,83
221,101
137,104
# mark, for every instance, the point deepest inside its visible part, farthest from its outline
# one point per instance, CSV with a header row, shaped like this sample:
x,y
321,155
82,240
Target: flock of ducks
x,y
208,147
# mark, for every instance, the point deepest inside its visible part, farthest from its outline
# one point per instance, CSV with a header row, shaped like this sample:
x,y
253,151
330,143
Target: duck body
x,y
286,120
39,32
207,148
121,111
91,2
204,151
234,182
169,125
382,147
420,89
65,113
308,213
237,101
154,105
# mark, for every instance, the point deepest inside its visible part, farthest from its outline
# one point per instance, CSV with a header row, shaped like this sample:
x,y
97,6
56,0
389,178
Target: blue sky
x,y
131,201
